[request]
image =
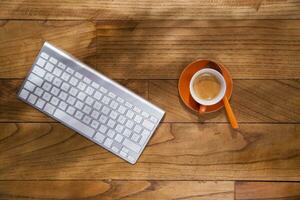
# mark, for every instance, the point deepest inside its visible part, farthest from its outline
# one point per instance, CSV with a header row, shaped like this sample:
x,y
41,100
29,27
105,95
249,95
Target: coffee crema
x,y
207,86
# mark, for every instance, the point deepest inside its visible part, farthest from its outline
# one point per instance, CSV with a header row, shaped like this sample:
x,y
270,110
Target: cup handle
x,y
202,109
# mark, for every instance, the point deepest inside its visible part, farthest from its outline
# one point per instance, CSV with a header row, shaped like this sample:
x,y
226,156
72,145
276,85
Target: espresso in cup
x,y
207,86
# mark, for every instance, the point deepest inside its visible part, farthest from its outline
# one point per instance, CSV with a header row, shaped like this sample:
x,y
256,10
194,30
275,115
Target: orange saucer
x,y
186,76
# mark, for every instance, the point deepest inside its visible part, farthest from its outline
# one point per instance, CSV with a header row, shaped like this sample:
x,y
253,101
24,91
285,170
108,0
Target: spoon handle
x,y
230,114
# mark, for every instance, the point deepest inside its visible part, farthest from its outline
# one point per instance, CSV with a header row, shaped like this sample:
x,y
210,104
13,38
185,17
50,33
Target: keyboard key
x,y
69,70
49,77
135,137
41,62
138,119
136,109
71,110
108,142
62,105
147,124
78,75
65,76
129,105
71,100
114,105
57,71
105,110
111,123
123,154
79,105
130,114
119,128
112,95
127,132
49,108
35,79
115,149
78,115
29,86
103,128
113,114
97,105
38,91
129,124
111,133
103,90
81,96
87,119
53,60
46,86
97,95
73,81
153,119
103,119
81,86
89,101
32,98
40,103
119,99
95,124
87,109
99,137
46,96
119,138
89,90
54,101
57,82
121,119
131,145
54,91
44,55
122,109
62,95
95,114
95,85
124,149
24,94
74,123
49,67
61,65
73,91
65,87
87,80
105,100
137,128
145,133
39,71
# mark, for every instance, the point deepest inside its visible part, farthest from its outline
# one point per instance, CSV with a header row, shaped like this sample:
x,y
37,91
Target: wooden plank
x,y
20,42
14,110
267,190
107,190
251,49
252,101
179,151
130,9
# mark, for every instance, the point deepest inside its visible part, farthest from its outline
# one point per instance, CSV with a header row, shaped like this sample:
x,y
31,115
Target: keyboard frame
x,y
106,82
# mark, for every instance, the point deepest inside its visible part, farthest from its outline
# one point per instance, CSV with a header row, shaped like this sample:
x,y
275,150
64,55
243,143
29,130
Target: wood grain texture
x,y
114,190
250,49
267,190
253,101
179,151
14,110
155,9
20,42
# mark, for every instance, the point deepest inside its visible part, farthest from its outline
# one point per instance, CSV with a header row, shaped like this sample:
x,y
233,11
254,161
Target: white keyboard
x,y
90,103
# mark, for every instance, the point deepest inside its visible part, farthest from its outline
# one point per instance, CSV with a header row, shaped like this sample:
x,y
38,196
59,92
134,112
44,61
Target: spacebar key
x,y
74,123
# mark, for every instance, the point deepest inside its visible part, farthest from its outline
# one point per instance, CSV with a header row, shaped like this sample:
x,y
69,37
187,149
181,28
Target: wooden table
x,y
145,45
